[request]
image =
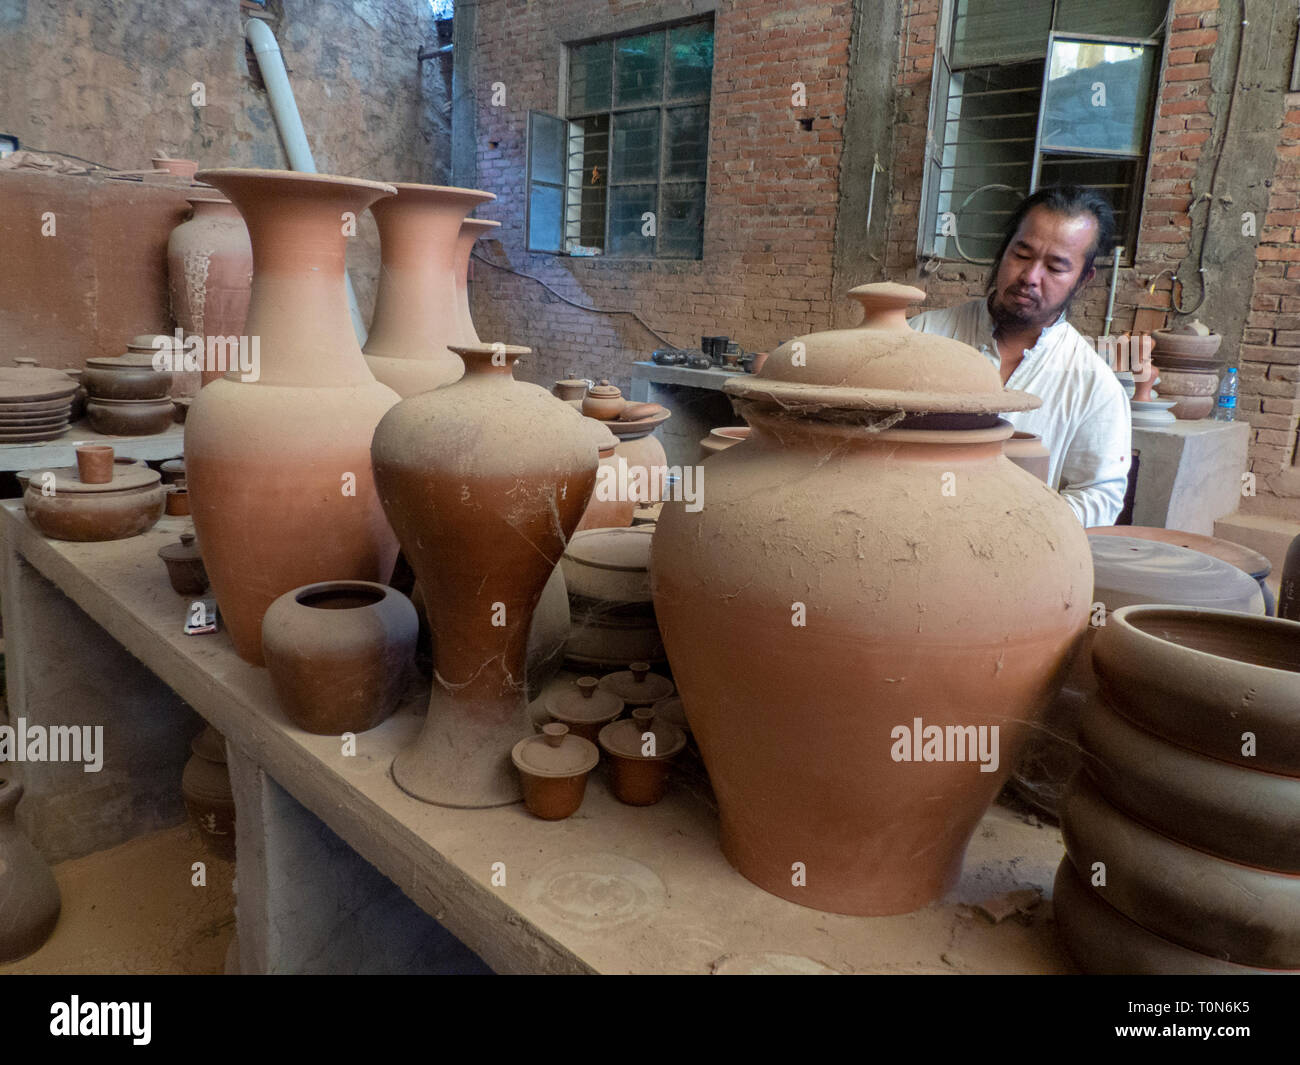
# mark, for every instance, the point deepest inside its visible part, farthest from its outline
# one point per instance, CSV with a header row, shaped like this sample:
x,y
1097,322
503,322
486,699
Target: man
x,y
1052,241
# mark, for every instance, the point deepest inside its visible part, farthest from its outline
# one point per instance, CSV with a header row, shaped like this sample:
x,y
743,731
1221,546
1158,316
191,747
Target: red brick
x,y
1192,38
1190,72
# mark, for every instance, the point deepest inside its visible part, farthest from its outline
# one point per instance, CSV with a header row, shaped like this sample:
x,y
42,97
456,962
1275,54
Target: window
x,y
1029,93
623,172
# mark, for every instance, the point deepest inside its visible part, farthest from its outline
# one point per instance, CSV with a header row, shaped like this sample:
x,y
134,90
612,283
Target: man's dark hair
x,y
1071,201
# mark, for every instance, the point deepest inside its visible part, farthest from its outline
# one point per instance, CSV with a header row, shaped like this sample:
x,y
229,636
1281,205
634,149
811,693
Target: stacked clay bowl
x,y
1189,371
63,507
35,404
1188,803
128,396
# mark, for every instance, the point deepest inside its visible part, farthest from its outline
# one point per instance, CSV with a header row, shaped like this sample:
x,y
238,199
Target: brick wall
x,y
771,197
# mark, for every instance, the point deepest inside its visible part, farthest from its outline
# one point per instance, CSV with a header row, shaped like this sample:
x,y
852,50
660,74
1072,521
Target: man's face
x,y
1042,268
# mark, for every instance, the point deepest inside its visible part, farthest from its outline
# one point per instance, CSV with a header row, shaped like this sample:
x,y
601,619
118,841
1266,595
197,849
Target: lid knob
x,y
644,717
554,733
587,685
187,539
639,671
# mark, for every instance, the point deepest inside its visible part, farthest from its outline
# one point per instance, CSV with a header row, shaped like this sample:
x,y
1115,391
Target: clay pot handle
x,y
639,671
554,732
644,717
587,685
187,539
884,304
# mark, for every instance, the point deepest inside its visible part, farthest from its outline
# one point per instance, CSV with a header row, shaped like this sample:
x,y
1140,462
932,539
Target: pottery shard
x,y
997,908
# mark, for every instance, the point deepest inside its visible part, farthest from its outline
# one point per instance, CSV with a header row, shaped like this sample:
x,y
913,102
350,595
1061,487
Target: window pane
x,y
1098,96
628,203
1116,179
546,147
639,69
1114,18
635,155
690,60
985,31
545,217
593,179
688,142
591,69
681,220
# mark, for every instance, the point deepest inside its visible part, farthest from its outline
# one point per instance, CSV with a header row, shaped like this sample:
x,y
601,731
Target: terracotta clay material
x,y
128,376
644,455
470,231
210,271
63,508
722,438
205,786
553,770
613,618
1187,345
640,751
29,896
95,464
182,410
637,686
172,470
129,417
181,168
338,652
584,709
1194,393
1202,678
287,455
609,508
177,501
603,402
1227,910
417,308
1028,451
484,480
831,606
635,412
570,390
185,566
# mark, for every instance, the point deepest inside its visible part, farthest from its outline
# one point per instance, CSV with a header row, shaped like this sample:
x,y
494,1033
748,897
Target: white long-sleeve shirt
x,y
1084,419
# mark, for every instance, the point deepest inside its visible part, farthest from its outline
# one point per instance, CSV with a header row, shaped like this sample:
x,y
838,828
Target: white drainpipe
x,y
288,122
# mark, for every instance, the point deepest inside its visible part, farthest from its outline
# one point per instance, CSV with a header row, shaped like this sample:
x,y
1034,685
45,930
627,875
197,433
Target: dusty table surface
x,y
62,451
613,889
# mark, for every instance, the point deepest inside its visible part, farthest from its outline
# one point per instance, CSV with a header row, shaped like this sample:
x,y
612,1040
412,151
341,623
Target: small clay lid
x,y
132,359
881,365
125,479
555,753
584,703
185,551
604,390
24,384
637,686
616,549
626,738
1128,571
1243,558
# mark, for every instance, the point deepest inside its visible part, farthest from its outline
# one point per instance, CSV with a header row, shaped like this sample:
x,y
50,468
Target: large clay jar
x,y
29,897
279,467
855,580
470,231
417,307
610,506
484,481
209,271
205,787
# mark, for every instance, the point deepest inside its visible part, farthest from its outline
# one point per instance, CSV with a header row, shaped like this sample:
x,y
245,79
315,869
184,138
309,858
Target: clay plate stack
x,y
35,404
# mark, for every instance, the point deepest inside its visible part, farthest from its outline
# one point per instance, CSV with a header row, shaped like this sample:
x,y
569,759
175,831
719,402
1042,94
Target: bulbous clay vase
x,y
210,271
1028,451
279,468
856,575
470,231
606,509
29,897
645,457
417,307
484,480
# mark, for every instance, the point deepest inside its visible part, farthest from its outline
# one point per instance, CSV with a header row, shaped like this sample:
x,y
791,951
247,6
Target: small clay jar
x,y
584,708
185,566
29,896
604,402
553,770
1028,451
178,499
571,389
637,686
95,464
130,504
128,376
338,653
205,787
129,417
640,750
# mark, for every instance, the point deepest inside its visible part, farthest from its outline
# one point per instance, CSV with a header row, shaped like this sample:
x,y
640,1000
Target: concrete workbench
x,y
331,853
696,399
52,454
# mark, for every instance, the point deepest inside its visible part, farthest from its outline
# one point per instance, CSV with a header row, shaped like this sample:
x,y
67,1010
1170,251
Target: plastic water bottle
x,y
1226,409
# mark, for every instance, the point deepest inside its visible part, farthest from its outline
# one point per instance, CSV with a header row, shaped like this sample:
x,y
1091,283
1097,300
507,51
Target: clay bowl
x,y
1227,910
637,778
129,376
185,566
1100,939
584,709
129,417
32,435
127,506
723,438
338,653
1187,345
641,426
636,412
553,770
1192,408
1240,814
1164,361
1200,678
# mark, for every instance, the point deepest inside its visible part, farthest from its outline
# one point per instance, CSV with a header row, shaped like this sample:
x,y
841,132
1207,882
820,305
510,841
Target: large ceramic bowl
x,y
1186,344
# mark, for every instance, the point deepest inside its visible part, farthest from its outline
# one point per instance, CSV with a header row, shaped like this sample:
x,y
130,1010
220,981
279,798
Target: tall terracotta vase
x,y
855,580
417,308
279,468
470,231
484,481
209,271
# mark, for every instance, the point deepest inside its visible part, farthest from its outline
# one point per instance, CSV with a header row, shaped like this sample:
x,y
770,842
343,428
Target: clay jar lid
x,y
881,365
23,384
187,550
626,738
637,686
1243,558
68,482
603,401
584,703
555,753
1128,571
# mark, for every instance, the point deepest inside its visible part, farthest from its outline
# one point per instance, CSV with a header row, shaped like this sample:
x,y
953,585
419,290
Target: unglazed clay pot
x,y
850,574
645,457
185,566
205,787
95,464
584,709
279,468
1194,393
484,480
470,231
417,307
338,652
610,508
553,770
64,508
129,417
1028,451
176,500
639,765
210,271
722,438
571,390
128,376
29,897
613,618
604,402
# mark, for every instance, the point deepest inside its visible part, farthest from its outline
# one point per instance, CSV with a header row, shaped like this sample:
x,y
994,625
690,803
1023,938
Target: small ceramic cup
x,y
95,464
553,770
639,765
178,499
